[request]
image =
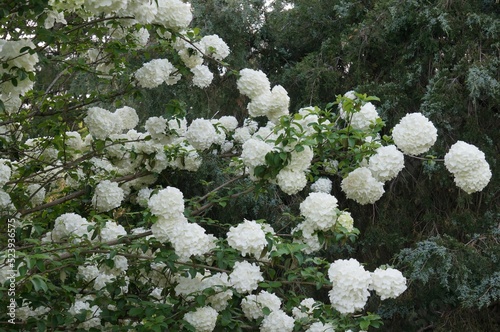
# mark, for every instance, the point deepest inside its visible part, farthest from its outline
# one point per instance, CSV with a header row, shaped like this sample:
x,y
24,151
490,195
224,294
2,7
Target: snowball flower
x,y
254,152
202,76
320,327
278,104
168,202
190,240
229,122
386,163
361,186
291,181
469,167
218,282
203,319
322,185
173,14
156,127
319,210
107,196
388,283
253,83
154,73
101,122
277,321
414,134
69,224
245,277
366,116
127,117
248,238
201,134
305,309
260,105
345,220
5,172
111,231
252,305
214,45
350,282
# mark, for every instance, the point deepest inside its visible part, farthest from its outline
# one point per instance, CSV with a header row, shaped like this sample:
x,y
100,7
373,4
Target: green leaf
x,y
39,283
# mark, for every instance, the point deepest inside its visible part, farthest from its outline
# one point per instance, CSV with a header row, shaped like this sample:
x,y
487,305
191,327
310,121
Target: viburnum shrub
x,y
100,245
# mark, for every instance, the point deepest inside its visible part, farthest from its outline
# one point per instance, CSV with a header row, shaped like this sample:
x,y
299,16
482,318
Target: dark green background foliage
x,y
440,58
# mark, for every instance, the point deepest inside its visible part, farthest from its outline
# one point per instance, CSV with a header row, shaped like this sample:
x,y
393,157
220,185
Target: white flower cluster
x,y
248,238
202,76
361,186
245,277
214,45
112,231
320,327
388,283
305,309
254,152
201,134
319,211
277,321
264,101
292,178
107,196
345,220
12,58
386,163
93,313
5,172
469,167
350,283
414,134
252,305
156,72
322,185
102,123
203,319
168,203
362,120
70,225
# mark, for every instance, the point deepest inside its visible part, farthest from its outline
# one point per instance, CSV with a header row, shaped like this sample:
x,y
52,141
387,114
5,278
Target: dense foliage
x,y
155,179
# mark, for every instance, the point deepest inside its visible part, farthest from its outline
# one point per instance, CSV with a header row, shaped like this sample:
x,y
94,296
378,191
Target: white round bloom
x,y
93,313
88,272
319,210
322,185
101,122
154,73
203,319
414,134
10,53
173,14
229,122
277,321
291,181
241,135
156,127
306,308
111,231
202,76
128,117
345,220
143,11
168,202
252,305
469,167
301,161
216,47
350,282
74,141
190,56
386,163
248,238
37,193
5,172
320,327
361,186
260,105
201,134
107,196
162,229
70,224
218,282
190,240
366,116
245,277
388,283
253,83
254,152
279,104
